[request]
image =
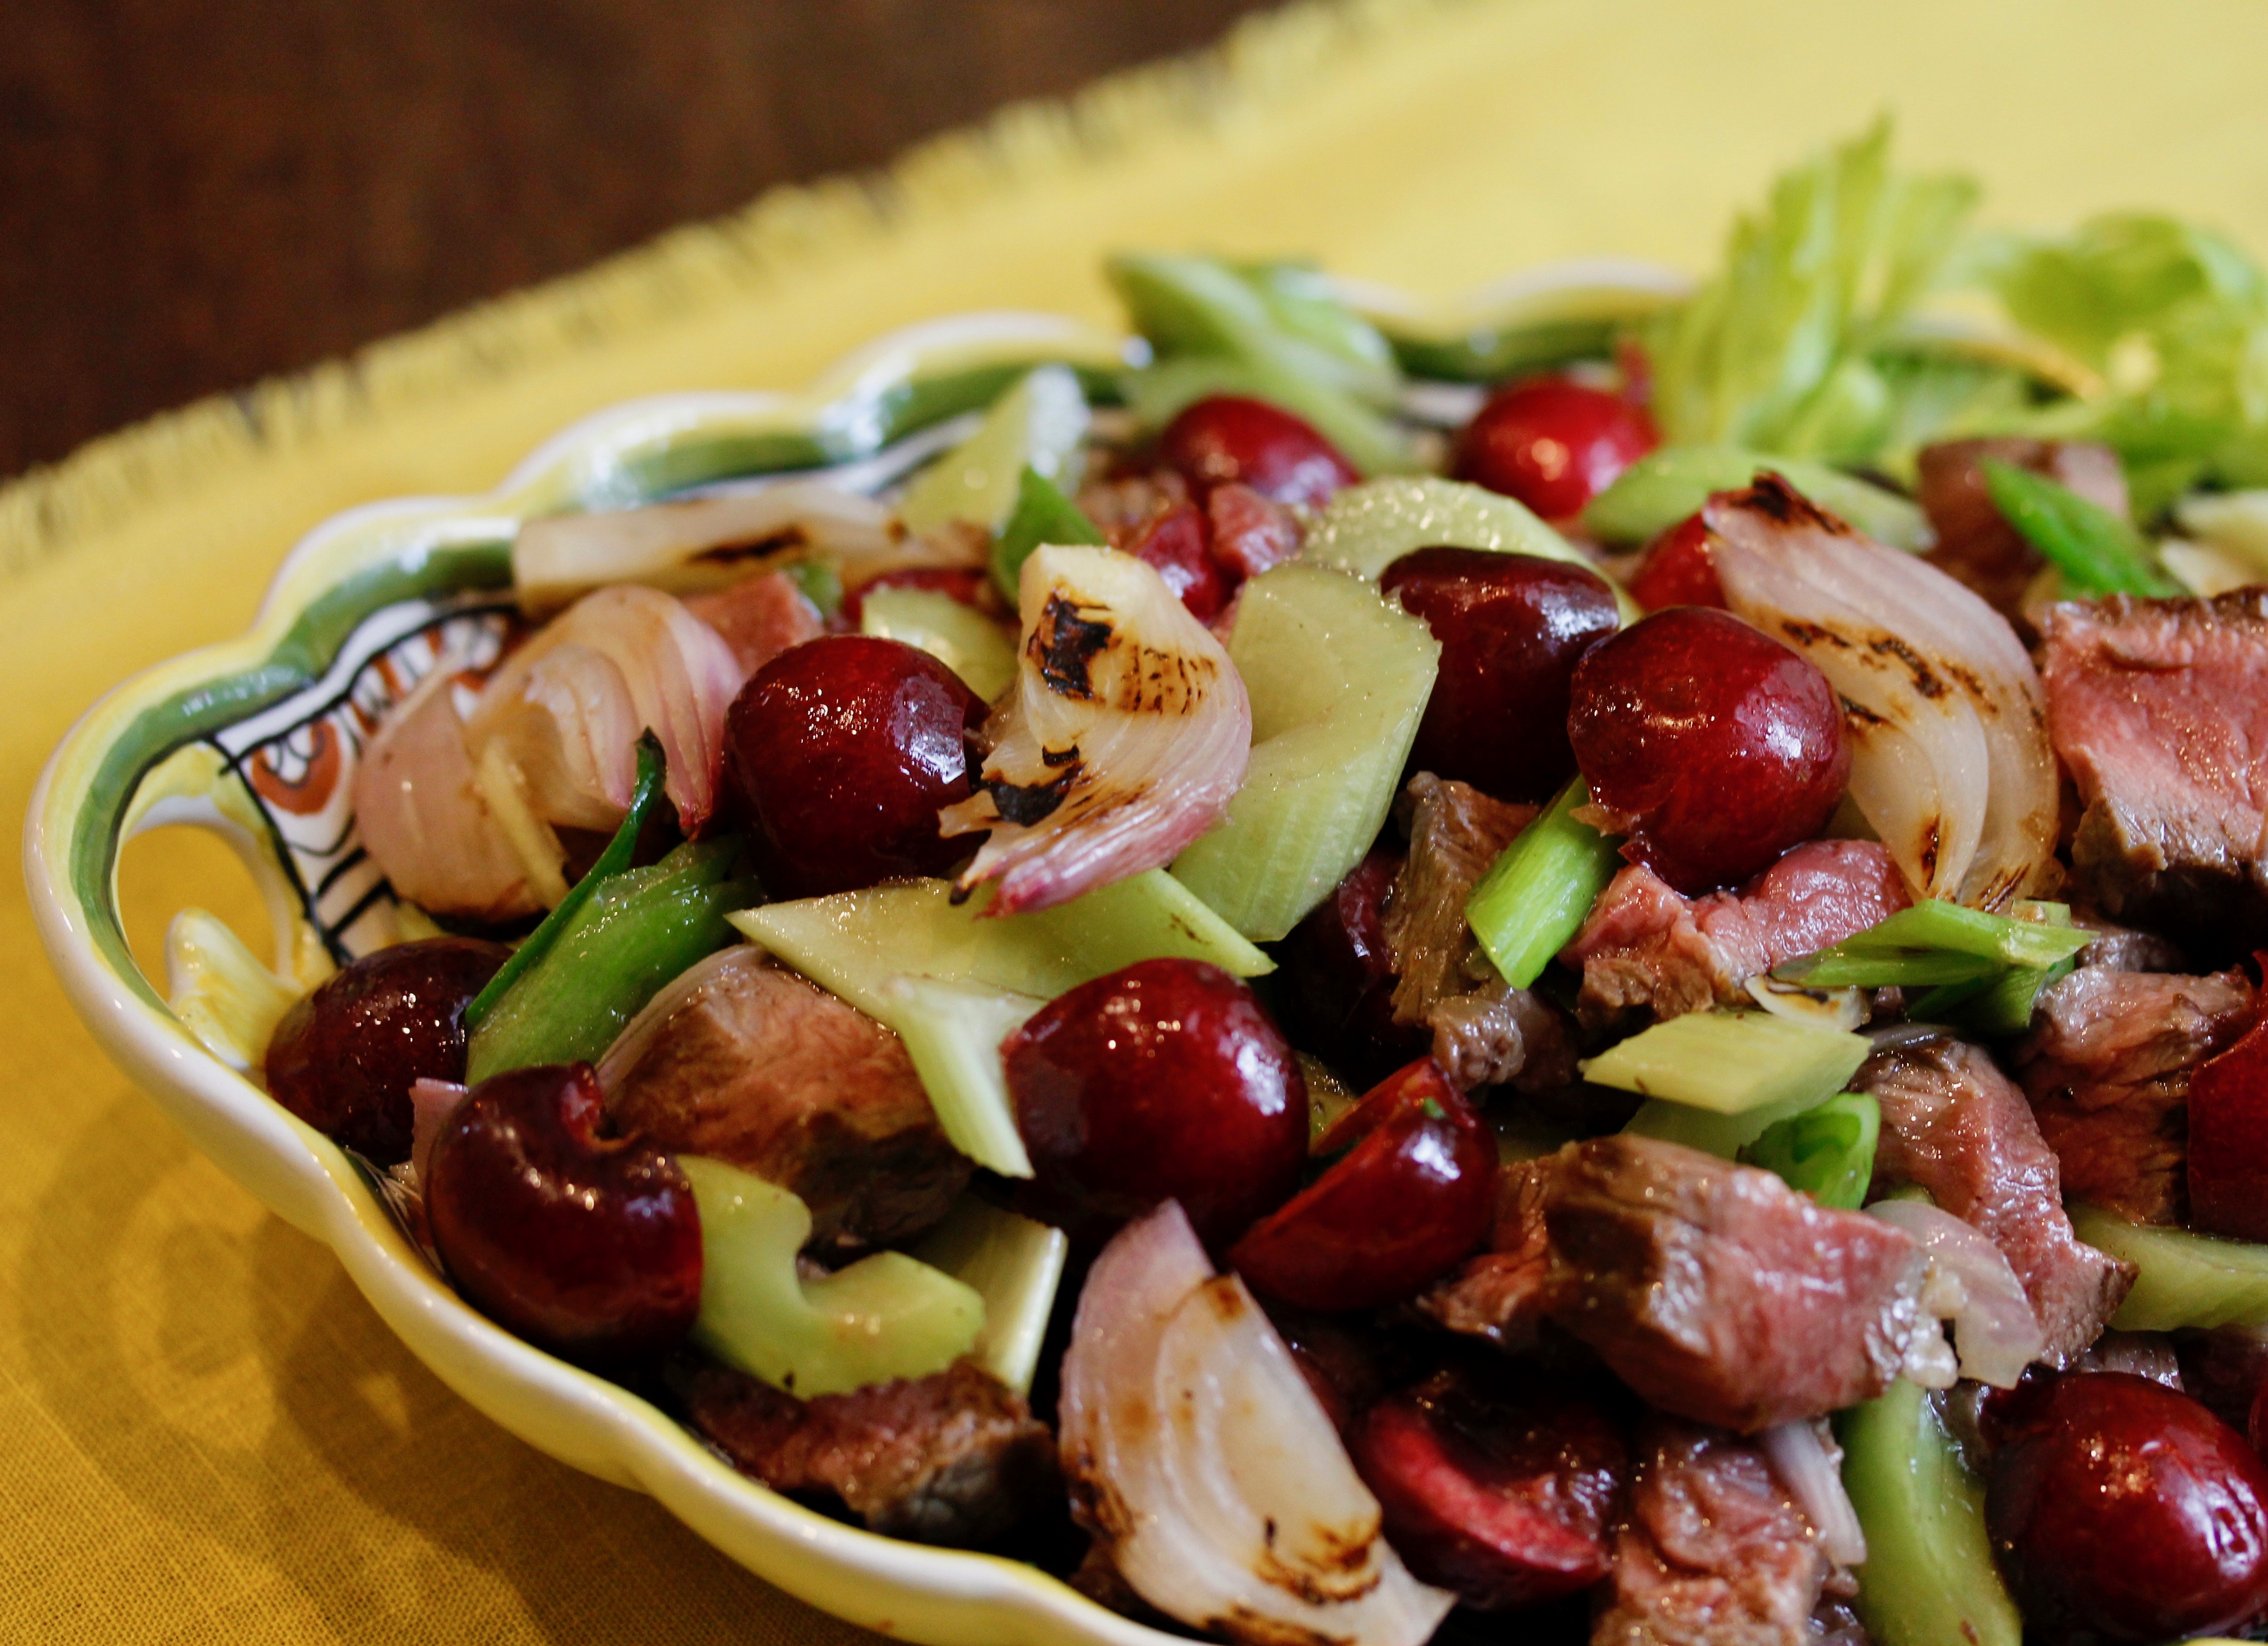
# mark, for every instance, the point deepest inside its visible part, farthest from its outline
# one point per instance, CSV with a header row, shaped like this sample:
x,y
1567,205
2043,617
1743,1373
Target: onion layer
x,y
1952,765
1124,740
1971,1285
1206,1466
1810,1466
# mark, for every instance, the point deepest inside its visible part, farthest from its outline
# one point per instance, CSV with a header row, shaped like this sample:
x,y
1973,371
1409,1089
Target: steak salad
x,y
1595,968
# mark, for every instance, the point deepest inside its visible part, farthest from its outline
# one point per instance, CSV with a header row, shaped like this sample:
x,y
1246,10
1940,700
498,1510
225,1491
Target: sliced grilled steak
x,y
955,1458
1718,1293
1504,1295
1953,1124
1645,946
1485,1033
1974,542
2107,1068
2158,710
759,1069
2122,948
1715,1552
758,617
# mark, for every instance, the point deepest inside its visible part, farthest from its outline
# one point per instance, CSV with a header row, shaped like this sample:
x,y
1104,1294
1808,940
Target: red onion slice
x,y
1124,740
1951,760
1971,1285
1203,1462
1810,1466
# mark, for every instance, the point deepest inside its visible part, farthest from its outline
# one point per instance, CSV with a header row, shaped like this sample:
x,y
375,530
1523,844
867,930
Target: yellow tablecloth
x,y
205,1435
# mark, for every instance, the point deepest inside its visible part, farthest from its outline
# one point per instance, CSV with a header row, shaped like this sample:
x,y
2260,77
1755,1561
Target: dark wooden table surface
x,y
196,193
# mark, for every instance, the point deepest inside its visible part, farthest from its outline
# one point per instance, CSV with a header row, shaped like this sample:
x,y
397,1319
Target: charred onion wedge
x,y
1125,737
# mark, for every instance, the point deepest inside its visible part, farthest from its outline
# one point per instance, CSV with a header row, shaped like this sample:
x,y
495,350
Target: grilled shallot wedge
x,y
1952,765
569,705
1207,1468
1126,736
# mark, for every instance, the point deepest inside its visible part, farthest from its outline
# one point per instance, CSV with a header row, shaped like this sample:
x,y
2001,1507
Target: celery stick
x,y
965,640
1338,679
1016,1266
1831,969
1929,1577
1536,895
1938,942
2097,552
1723,1136
1037,424
1731,1062
1827,1151
1367,527
2185,1279
883,1317
953,1032
850,942
1663,487
1042,514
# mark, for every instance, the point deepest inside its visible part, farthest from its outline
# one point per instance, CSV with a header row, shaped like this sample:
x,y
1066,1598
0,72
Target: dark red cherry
x,y
1497,1481
345,1057
1165,1080
1228,438
839,753
587,1247
1511,627
1412,1196
1173,542
1337,985
1712,746
1678,569
2122,1510
1553,444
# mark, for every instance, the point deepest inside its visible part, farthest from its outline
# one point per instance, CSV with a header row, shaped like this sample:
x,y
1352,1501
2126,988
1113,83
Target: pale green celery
x,y
1367,527
885,1316
853,942
1664,486
2183,1278
1015,1265
1039,424
1273,314
1929,1577
1365,438
1731,1062
1536,895
1545,317
1723,1136
1827,1150
1912,969
1338,679
965,640
1999,1005
1042,514
1307,309
953,1032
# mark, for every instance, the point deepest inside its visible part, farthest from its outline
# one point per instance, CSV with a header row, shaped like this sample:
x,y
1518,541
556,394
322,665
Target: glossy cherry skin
x,y
345,1057
1337,978
1164,1081
2122,1510
1413,1195
1678,569
1175,541
587,1247
1512,627
1552,444
1714,747
1499,1482
839,753
1229,437
2228,1140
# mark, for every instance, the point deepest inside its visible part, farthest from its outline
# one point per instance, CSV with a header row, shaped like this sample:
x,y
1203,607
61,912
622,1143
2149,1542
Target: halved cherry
x,y
1678,569
1173,541
1413,1195
2228,1137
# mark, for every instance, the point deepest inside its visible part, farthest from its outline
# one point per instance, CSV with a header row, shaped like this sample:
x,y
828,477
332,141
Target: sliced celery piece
x,y
640,929
1042,514
1827,1151
2185,1279
953,1032
1534,896
1937,942
883,1317
1723,1136
1016,1266
1038,423
1731,1062
851,942
2097,552
1338,679
1663,487
1367,527
966,641
1929,1577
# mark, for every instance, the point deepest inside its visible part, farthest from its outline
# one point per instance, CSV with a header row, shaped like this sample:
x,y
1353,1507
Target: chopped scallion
x,y
1536,895
2097,552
